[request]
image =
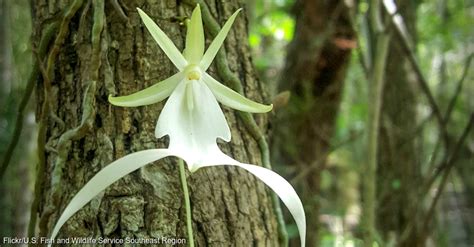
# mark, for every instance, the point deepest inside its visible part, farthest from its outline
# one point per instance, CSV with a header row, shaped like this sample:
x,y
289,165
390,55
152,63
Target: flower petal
x,y
233,99
192,130
278,184
106,177
195,38
217,42
150,95
163,41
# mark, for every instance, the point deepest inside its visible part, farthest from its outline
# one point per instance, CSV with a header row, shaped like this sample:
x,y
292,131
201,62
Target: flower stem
x,y
182,174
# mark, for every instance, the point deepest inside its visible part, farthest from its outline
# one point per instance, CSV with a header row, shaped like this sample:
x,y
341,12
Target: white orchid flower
x,y
191,118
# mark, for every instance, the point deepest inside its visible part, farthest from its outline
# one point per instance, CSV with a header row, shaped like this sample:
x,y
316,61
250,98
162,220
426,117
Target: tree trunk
x,y
314,73
399,174
229,206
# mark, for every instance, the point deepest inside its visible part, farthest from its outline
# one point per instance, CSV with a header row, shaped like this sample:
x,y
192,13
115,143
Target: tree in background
x,y
399,168
316,64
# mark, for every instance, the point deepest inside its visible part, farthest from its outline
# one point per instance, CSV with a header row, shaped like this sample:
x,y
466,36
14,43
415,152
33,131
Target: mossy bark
x,y
229,206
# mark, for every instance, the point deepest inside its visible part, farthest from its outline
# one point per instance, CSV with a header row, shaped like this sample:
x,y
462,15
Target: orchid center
x,y
193,72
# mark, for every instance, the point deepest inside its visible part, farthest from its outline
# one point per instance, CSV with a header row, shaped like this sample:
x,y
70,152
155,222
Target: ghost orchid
x,y
191,118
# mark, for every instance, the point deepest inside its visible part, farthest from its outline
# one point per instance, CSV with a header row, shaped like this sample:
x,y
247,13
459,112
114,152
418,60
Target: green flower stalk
x,y
191,118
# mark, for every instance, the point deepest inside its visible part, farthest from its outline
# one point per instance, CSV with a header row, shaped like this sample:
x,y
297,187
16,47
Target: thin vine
x,y
45,109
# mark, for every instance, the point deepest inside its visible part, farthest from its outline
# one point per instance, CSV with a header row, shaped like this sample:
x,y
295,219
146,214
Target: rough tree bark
x,y
229,206
314,73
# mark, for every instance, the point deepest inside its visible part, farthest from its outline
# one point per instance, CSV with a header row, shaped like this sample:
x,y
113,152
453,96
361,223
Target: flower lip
x,y
193,72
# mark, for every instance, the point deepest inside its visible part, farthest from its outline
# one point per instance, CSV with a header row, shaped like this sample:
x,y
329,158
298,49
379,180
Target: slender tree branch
x,y
420,127
405,45
376,85
432,163
375,16
376,90
305,171
41,51
19,121
362,61
447,116
448,164
459,87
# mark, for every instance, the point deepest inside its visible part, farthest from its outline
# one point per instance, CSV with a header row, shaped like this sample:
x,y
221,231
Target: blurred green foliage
x,y
271,29
445,39
16,188
17,43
